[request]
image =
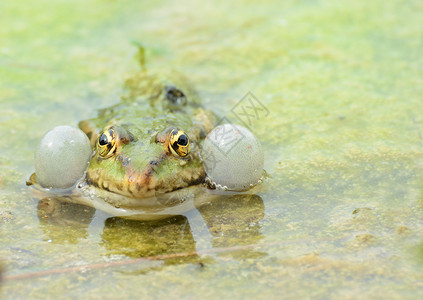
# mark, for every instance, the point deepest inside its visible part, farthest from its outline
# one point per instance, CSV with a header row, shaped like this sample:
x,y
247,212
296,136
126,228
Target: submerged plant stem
x,y
90,267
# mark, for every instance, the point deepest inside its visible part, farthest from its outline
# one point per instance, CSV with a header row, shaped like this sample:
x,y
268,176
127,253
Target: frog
x,y
146,161
150,142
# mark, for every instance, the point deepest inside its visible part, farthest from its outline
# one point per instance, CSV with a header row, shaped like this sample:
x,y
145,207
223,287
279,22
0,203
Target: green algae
x,y
340,215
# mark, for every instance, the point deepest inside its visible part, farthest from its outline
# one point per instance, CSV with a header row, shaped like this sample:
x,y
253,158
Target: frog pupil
x,y
103,140
183,140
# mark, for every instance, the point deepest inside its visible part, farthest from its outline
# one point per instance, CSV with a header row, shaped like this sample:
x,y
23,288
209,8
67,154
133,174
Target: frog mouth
x,y
145,183
151,208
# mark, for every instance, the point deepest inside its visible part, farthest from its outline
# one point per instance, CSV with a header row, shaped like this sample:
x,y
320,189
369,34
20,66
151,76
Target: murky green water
x,y
341,215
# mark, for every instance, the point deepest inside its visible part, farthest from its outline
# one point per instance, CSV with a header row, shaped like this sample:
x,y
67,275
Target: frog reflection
x,y
64,222
148,239
229,220
234,221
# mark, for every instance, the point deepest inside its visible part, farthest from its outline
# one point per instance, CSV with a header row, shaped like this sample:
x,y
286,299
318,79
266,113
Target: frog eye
x,y
175,96
106,144
179,143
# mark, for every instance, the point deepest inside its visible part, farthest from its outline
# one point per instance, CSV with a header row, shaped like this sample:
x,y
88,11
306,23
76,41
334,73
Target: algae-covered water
x,y
340,87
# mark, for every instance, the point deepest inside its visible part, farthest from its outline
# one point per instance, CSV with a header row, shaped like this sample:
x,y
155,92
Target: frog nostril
x,y
154,162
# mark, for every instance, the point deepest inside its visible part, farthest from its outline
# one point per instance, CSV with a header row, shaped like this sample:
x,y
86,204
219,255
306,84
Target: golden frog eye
x,y
179,143
106,144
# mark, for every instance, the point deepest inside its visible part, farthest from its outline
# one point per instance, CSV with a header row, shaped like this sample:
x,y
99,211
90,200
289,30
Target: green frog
x,y
146,160
149,142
